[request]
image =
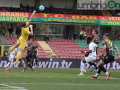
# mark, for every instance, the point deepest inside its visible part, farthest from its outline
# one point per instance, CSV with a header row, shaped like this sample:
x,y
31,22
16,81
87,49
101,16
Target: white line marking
x,y
66,84
17,88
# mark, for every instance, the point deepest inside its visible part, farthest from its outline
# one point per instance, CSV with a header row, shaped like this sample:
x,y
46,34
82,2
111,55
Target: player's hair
x,y
32,38
13,42
96,31
23,24
106,34
89,39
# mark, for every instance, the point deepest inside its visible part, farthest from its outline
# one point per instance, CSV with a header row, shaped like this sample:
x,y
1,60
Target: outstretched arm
x,y
32,15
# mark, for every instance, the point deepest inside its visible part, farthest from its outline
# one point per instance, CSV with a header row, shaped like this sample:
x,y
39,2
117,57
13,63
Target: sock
x,y
36,62
12,48
19,55
32,62
97,74
7,64
106,73
11,65
23,63
29,65
82,67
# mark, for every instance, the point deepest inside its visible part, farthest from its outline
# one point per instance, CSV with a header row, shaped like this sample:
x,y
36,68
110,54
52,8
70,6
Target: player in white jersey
x,y
12,55
92,54
14,61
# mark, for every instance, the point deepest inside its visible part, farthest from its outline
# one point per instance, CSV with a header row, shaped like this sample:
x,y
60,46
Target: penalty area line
x,y
11,87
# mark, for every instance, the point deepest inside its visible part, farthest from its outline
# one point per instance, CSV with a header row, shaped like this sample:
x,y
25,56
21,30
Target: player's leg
x,y
82,68
22,47
94,66
105,60
36,61
11,64
8,62
33,61
22,62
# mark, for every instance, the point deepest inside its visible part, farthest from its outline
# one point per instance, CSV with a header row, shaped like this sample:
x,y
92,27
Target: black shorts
x,y
108,58
34,57
28,57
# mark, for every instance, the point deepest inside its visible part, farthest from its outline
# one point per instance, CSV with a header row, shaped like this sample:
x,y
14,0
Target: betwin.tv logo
x,y
100,5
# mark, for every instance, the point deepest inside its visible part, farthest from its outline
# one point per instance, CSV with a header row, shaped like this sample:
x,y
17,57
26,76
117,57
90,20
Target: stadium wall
x,y
61,63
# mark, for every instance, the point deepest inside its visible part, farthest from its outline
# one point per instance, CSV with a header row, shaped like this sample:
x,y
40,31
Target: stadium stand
x,y
41,54
66,48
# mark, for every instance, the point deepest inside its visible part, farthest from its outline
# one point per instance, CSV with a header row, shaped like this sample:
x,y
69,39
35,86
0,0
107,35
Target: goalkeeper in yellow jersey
x,y
23,38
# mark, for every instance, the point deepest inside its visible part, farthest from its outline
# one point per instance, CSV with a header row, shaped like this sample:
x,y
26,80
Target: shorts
x,y
28,58
89,59
34,57
11,58
21,43
108,58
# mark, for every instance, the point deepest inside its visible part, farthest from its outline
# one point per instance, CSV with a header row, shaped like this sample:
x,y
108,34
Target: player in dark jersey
x,y
34,57
30,49
109,48
96,41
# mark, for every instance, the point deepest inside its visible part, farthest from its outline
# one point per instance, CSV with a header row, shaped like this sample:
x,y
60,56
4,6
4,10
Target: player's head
x,y
105,36
31,40
89,39
25,24
95,31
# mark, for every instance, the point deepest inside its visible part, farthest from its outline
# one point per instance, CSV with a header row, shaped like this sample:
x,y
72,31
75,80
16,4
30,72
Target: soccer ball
x,y
41,7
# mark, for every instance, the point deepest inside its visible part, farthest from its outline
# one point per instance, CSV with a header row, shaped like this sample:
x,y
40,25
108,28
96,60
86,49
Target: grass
x,y
57,79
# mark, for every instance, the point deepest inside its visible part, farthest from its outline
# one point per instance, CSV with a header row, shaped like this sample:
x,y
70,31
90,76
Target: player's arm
x,y
32,15
117,50
37,52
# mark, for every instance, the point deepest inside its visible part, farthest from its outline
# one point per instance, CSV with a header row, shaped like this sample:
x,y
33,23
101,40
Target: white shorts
x,y
89,59
17,54
11,57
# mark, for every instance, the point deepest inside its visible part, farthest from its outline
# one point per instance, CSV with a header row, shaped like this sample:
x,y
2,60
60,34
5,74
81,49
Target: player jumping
x,y
23,38
109,57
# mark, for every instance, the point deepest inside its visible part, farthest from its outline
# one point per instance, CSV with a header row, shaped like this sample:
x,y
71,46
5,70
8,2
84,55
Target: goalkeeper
x,y
23,38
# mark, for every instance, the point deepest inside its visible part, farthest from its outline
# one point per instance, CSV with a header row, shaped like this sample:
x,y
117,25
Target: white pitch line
x,y
66,84
19,88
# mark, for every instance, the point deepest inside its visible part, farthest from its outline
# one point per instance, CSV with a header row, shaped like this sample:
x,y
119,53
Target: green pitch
x,y
57,79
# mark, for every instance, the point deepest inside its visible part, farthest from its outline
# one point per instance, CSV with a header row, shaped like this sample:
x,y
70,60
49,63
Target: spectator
x,y
27,8
84,35
10,30
69,36
8,9
74,36
51,8
46,38
18,32
11,9
81,35
3,9
21,7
